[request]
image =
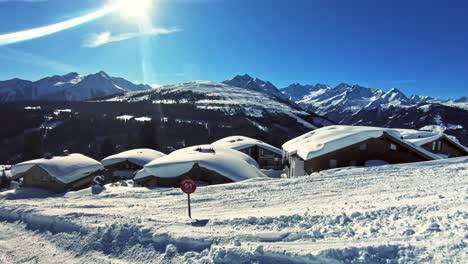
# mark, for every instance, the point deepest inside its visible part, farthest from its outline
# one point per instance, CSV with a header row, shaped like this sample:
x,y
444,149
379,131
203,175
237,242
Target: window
x,y
434,144
439,146
393,146
353,163
333,163
363,146
265,153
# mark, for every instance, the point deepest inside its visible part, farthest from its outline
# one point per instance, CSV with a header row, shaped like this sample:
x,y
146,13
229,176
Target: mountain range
x,y
68,87
310,105
344,100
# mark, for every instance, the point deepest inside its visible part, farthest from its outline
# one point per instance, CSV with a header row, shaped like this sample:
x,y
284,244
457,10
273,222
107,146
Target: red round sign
x,y
188,186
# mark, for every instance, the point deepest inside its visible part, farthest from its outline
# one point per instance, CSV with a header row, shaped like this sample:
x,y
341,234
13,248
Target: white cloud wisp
x,y
96,40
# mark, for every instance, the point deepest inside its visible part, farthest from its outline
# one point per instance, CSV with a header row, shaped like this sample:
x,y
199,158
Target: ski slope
x,y
411,213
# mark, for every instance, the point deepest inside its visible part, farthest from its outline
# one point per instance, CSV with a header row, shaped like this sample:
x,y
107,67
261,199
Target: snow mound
x,y
328,139
230,163
241,142
139,157
66,169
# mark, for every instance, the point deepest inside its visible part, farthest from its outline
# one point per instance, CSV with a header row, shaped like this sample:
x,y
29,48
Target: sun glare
x,y
135,9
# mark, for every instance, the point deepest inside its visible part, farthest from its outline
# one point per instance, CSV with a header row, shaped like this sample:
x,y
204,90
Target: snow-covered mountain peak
x,y
418,99
255,84
297,91
103,74
343,86
395,94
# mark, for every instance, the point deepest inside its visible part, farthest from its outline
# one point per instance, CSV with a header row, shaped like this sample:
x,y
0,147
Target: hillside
x,y
182,115
224,98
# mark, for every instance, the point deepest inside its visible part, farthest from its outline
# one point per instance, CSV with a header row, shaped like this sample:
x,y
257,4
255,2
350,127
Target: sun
x,y
135,9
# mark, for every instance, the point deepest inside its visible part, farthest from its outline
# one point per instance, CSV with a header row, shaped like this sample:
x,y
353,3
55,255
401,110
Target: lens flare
x,y
34,33
135,9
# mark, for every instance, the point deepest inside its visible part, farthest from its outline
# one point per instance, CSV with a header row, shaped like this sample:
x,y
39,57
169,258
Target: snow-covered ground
x,y
412,213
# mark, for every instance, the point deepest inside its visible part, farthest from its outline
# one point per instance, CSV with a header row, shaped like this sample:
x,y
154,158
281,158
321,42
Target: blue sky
x,y
418,46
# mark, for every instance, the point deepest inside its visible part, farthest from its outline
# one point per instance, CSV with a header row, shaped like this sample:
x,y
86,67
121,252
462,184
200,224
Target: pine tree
x,y
148,136
32,146
107,148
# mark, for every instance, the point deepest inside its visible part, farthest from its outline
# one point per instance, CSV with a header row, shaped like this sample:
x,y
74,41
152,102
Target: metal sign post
x,y
189,209
188,186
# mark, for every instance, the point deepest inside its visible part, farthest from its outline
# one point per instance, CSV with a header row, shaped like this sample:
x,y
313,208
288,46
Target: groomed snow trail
x,y
412,213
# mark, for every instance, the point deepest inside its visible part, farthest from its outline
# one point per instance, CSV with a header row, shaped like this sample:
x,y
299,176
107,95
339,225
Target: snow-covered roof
x,y
420,138
328,139
65,169
241,142
230,163
139,157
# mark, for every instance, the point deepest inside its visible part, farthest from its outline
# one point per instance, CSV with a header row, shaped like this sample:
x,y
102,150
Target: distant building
x,y
59,173
342,146
126,164
204,164
266,155
438,143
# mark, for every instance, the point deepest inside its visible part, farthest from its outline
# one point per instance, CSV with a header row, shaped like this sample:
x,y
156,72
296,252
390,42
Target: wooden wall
x,y
377,149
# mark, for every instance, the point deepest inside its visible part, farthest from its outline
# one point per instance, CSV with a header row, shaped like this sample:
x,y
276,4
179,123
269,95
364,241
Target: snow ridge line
x,y
108,239
36,221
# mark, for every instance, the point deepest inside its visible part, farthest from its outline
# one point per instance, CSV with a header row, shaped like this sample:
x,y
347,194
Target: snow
x,y
256,124
407,213
32,108
441,128
241,142
427,134
124,117
69,87
58,111
143,119
325,99
65,169
6,169
451,103
328,139
232,164
419,137
139,157
50,125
